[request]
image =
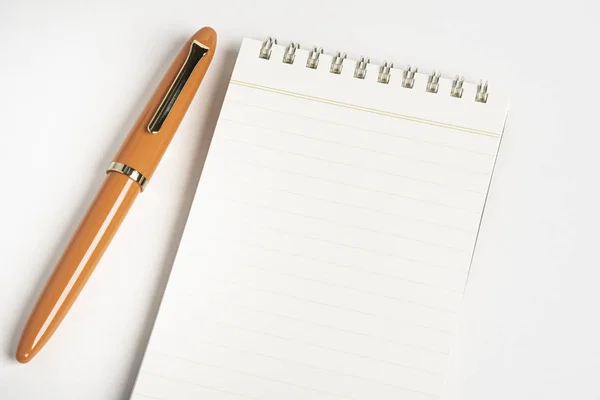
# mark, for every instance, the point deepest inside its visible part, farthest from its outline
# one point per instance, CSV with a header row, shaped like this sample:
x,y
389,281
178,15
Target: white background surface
x,y
74,75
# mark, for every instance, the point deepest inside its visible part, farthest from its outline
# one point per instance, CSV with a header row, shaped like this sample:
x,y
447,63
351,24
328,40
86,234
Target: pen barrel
x,y
92,237
127,175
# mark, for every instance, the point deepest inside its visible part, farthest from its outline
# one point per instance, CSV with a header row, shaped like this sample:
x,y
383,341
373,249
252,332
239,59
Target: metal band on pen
x,y
129,172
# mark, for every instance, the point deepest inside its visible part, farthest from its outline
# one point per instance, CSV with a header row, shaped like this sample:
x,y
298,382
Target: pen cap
x,y
158,122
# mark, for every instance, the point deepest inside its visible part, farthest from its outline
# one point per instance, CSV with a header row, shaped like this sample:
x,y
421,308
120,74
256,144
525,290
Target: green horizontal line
x,y
365,109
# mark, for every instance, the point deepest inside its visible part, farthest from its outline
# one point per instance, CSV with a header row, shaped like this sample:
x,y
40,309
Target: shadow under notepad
x,y
206,131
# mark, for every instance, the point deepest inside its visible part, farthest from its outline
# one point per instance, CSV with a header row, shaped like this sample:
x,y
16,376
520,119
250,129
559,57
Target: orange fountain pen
x,y
126,177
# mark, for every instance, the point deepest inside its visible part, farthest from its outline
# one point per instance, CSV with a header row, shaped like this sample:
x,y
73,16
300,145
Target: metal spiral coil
x,y
385,70
482,92
337,63
408,77
457,86
265,49
313,57
433,82
361,68
290,53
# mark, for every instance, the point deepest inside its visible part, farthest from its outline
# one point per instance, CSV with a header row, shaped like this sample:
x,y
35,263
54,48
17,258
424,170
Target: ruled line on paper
x,y
332,242
259,246
356,289
253,266
365,109
287,339
349,288
285,360
239,371
378,152
387,234
303,299
361,129
359,187
335,328
234,140
212,388
276,189
410,302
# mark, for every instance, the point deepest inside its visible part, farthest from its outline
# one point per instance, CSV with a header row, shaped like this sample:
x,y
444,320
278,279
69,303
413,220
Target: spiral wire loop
x,y
265,49
433,82
313,57
290,53
337,63
360,71
385,70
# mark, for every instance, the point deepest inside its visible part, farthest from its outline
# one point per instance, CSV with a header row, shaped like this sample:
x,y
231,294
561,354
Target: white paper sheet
x,y
330,239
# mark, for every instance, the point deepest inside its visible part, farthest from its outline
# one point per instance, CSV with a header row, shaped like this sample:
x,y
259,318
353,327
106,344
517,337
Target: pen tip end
x,y
25,352
24,357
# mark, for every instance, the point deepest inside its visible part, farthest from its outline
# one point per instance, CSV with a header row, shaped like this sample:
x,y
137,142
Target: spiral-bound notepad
x,y
331,235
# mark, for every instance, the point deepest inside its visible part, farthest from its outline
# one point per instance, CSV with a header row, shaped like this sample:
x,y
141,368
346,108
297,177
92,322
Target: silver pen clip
x,y
197,51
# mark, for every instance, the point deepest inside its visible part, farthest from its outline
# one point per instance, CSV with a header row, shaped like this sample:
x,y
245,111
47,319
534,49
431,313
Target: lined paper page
x,y
330,239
